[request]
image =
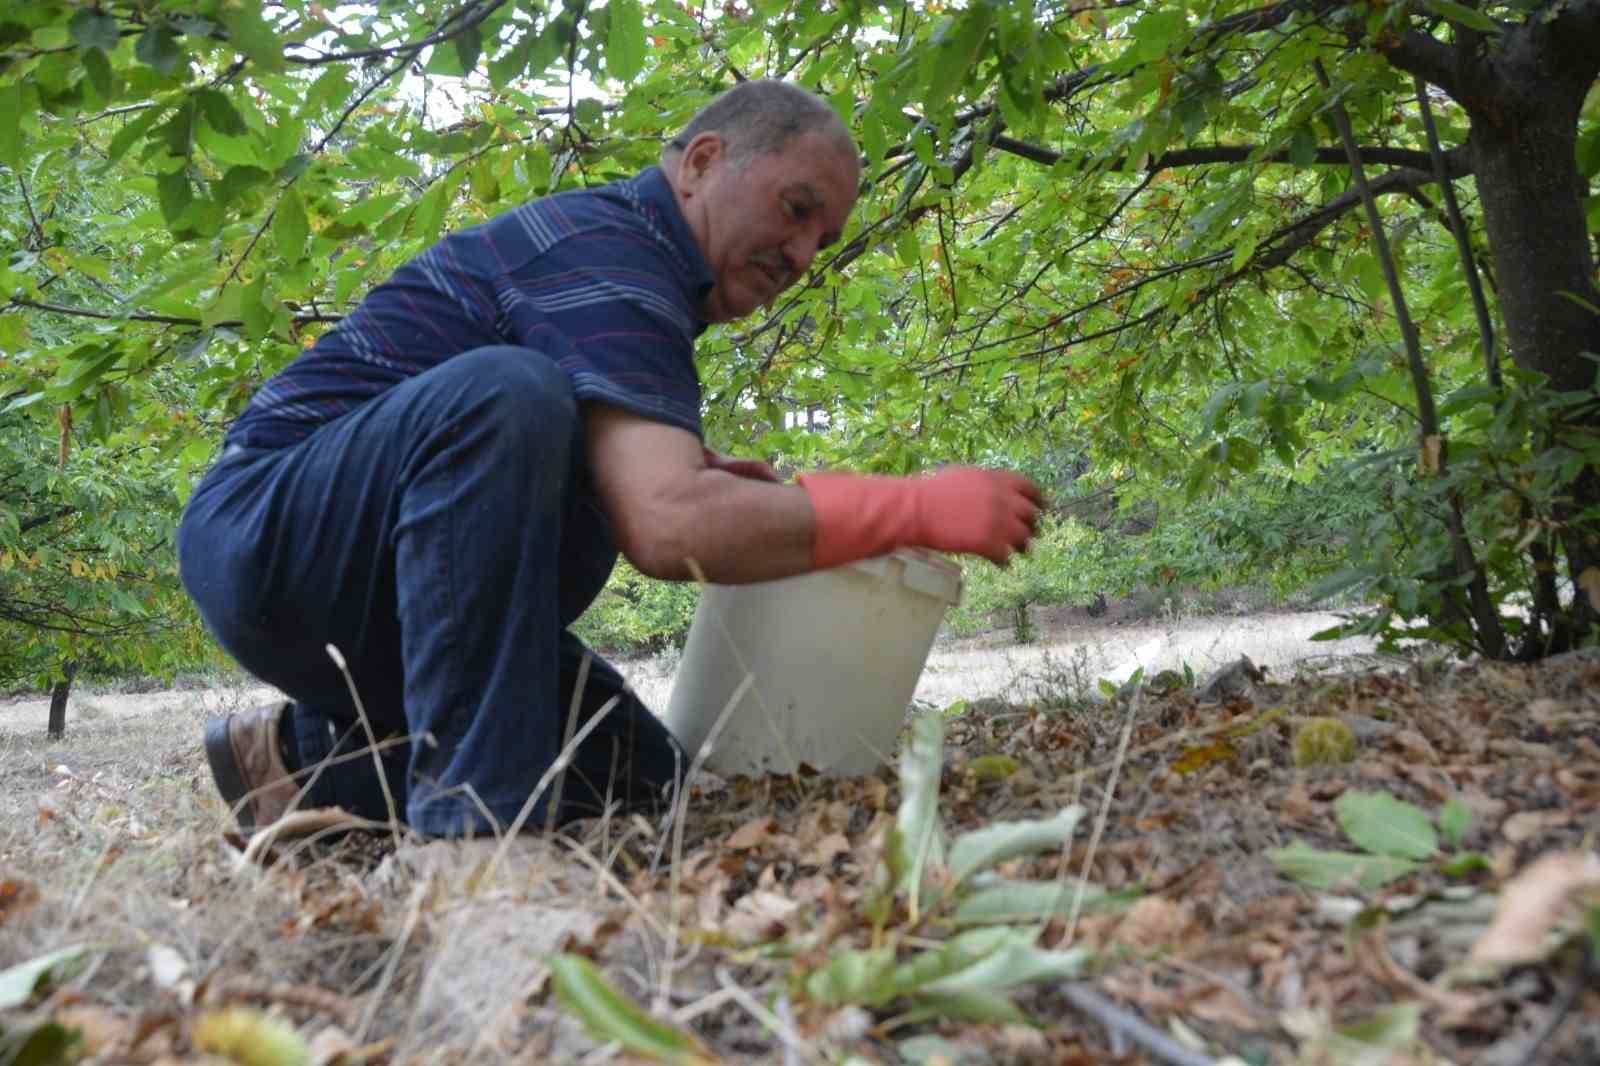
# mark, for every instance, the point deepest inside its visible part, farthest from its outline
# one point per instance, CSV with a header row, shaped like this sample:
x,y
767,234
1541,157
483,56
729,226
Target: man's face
x,y
759,223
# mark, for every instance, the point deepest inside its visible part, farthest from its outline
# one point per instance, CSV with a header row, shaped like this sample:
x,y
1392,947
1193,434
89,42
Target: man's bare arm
x,y
668,506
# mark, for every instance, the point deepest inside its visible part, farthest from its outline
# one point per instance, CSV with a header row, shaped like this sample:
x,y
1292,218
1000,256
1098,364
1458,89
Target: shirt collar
x,y
657,199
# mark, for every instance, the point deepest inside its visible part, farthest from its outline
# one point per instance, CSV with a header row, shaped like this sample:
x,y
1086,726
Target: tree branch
x,y
1238,153
169,320
1434,62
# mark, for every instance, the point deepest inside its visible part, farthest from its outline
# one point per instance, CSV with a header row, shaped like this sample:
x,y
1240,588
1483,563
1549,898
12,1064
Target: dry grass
x,y
115,838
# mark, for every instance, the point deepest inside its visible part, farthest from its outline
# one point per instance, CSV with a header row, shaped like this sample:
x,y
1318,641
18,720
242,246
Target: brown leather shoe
x,y
247,766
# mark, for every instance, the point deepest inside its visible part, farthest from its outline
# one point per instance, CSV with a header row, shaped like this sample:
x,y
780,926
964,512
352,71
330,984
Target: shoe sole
x,y
225,772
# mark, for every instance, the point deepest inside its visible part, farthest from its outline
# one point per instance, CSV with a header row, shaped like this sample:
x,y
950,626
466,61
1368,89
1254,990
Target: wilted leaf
x,y
1534,904
16,897
750,834
19,982
1338,869
1383,825
983,848
610,1015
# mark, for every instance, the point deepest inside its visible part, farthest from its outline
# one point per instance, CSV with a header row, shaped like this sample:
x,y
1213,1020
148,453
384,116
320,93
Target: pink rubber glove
x,y
750,468
959,509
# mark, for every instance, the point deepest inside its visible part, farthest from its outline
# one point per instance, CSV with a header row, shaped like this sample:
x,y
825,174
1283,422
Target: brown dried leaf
x,y
752,833
1532,905
1525,825
760,916
826,850
1155,922
16,897
1203,755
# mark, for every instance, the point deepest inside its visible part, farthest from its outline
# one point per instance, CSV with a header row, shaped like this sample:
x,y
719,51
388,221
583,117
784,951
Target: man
x,y
441,484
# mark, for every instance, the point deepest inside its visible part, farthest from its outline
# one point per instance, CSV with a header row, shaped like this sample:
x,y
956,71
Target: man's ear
x,y
699,160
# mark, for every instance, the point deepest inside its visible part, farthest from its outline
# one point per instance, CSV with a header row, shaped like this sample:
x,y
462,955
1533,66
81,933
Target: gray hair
x,y
761,116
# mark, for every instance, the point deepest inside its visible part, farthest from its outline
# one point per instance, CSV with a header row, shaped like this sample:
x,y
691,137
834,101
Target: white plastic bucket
x,y
834,657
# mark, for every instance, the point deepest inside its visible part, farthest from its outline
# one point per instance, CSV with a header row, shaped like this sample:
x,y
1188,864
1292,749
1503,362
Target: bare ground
x,y
115,840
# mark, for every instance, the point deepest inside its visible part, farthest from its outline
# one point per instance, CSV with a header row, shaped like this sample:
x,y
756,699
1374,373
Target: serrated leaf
x,y
1379,823
290,227
157,47
1338,869
219,113
1455,820
625,41
175,194
98,70
253,35
18,983
90,29
982,848
1463,15
610,1015
10,124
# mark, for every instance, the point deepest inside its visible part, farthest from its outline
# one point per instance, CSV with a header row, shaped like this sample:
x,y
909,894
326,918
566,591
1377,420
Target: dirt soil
x,y
379,949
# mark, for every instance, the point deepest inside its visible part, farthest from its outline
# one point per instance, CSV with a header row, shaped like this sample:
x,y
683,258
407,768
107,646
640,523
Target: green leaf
x,y
468,45
1014,959
18,983
10,124
914,839
625,42
994,1008
98,70
175,194
1012,902
610,1015
1455,820
157,47
90,29
1338,869
865,978
983,848
219,113
290,227
253,35
46,1044
1463,15
1379,823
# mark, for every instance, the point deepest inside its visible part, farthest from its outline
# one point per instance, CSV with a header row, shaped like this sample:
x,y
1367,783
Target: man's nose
x,y
799,250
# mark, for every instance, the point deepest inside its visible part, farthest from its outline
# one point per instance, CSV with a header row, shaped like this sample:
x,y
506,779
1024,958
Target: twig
x,y
1559,1011
1100,819
372,739
1132,1026
578,686
378,994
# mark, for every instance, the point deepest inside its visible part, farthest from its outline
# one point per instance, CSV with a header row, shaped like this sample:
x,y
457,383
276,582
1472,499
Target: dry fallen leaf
x,y
16,897
1156,922
1525,825
826,850
1533,904
750,834
760,916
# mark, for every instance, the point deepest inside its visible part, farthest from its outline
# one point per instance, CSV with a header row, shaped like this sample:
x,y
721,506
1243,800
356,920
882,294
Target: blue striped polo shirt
x,y
607,282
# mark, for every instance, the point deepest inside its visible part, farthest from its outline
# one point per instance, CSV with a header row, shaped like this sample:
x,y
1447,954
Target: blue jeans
x,y
442,537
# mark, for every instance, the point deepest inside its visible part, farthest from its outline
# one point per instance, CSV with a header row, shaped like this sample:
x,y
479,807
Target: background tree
x,y
1136,228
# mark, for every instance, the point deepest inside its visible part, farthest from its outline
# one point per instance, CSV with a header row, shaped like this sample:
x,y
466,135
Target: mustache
x,y
777,263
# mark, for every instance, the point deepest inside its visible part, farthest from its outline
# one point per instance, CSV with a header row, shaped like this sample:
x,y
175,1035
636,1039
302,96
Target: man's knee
x,y
527,384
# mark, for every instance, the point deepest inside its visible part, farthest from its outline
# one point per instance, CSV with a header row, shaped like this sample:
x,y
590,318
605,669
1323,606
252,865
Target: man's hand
x,y
750,468
965,509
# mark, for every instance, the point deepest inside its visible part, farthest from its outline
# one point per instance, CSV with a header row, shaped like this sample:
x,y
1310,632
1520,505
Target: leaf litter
x,y
947,910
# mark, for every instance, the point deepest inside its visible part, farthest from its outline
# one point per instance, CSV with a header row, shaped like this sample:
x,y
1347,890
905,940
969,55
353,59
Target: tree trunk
x,y
1524,108
58,701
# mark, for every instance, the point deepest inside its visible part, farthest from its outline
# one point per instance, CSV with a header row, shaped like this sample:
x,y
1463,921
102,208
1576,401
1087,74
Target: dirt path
x,y
1067,660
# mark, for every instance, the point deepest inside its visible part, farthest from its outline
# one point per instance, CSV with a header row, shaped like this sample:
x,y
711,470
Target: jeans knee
x,y
524,386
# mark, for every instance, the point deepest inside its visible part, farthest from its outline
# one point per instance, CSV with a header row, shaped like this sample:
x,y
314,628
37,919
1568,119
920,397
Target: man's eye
x,y
796,211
